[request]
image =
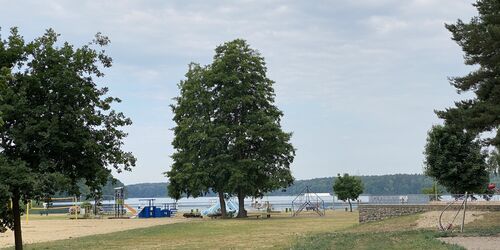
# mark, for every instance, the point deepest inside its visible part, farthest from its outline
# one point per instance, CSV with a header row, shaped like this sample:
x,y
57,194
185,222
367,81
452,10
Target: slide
x,y
131,209
231,207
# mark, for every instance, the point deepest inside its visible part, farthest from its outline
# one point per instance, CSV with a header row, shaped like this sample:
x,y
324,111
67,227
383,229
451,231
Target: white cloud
x,y
338,64
385,24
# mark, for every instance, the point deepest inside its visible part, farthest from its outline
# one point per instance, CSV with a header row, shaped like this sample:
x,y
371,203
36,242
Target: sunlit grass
x,y
396,233
276,232
337,230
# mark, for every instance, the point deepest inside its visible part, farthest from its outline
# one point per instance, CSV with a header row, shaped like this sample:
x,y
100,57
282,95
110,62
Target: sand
x,y
473,243
430,219
49,230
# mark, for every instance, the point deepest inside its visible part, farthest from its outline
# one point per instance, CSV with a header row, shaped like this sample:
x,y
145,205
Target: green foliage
x,y
480,41
58,127
228,136
347,187
434,189
14,175
196,140
493,162
260,152
455,160
434,192
147,190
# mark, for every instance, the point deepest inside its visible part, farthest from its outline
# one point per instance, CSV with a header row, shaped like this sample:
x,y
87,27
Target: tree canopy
x,y
58,125
493,162
455,160
480,41
348,188
228,136
194,168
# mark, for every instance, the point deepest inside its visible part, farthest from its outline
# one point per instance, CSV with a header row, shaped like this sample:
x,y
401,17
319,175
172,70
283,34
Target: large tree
x,y
455,160
228,134
58,126
480,41
199,166
348,188
260,153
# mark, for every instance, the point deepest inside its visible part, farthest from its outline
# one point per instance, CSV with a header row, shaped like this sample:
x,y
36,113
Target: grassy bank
x,y
419,239
396,233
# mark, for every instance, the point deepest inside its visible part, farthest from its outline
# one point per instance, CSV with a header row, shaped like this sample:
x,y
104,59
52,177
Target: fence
x,y
416,199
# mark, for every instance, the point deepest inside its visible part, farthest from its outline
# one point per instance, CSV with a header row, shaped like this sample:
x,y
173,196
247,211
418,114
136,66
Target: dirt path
x,y
49,230
430,219
475,243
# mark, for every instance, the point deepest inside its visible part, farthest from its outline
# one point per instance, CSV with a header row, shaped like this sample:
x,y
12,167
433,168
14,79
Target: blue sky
x,y
357,80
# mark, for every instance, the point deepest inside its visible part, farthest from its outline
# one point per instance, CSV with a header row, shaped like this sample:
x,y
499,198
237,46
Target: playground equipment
x,y
493,187
309,201
152,211
214,210
449,226
119,202
131,209
51,205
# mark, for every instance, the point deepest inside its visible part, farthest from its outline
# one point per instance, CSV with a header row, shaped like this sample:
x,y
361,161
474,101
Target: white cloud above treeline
x,y
358,80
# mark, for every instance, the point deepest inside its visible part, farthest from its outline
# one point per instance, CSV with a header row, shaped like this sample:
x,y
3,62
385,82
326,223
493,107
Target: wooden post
x,y
435,191
28,211
74,206
463,217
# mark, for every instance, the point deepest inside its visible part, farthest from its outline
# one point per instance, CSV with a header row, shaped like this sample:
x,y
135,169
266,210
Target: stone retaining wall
x,y
375,212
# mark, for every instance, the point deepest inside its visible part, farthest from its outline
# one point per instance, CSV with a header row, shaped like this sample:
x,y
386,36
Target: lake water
x,y
278,203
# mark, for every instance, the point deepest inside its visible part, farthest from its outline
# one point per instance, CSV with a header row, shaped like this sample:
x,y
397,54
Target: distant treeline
x,y
147,190
374,185
85,192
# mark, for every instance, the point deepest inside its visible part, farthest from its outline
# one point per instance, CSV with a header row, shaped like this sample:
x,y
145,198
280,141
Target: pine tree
x,y
480,41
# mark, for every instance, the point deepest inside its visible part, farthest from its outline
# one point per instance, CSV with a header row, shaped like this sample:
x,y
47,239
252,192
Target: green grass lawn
x,y
415,239
396,233
338,230
44,217
276,232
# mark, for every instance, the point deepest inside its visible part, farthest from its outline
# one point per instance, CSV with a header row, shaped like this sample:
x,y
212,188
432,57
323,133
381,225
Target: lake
x,y
278,203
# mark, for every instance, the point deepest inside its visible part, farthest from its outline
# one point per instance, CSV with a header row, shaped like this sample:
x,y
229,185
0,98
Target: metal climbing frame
x,y
119,202
449,226
309,201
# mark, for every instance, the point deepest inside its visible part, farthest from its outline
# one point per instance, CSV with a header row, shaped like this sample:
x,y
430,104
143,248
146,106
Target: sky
x,y
358,81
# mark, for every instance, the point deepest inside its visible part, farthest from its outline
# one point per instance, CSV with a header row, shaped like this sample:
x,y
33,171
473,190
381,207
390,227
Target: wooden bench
x,y
254,216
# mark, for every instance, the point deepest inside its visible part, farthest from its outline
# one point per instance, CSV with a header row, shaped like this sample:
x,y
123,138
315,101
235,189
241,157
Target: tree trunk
x,y
222,203
350,205
242,213
16,213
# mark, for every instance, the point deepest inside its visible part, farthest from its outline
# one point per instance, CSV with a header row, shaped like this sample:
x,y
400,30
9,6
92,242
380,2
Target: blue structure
x,y
231,208
152,211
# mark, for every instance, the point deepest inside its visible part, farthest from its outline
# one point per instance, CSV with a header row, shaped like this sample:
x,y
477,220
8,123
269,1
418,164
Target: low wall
x,y
375,212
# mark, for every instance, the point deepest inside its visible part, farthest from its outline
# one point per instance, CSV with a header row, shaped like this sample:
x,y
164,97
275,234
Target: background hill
x,y
374,185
